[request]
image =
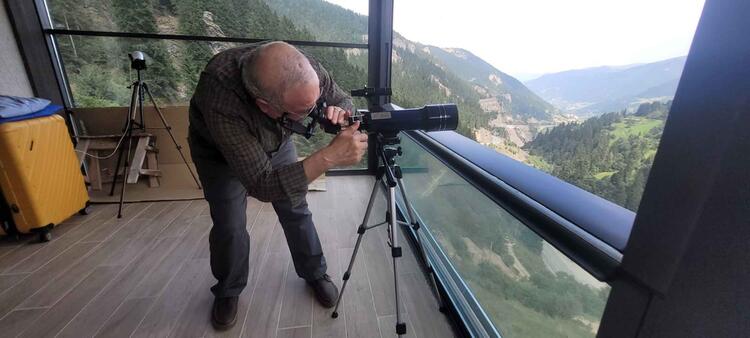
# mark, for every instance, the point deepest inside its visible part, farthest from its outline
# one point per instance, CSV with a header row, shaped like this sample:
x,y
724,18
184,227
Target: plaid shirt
x,y
230,127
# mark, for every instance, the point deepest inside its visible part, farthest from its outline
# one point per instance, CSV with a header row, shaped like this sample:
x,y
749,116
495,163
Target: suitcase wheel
x,y
45,235
85,210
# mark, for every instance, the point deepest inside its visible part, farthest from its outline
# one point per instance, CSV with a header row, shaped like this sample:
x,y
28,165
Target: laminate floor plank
x,y
8,281
263,316
297,301
297,332
195,319
361,319
126,319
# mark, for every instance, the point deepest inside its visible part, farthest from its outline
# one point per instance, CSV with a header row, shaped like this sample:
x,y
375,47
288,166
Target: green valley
x,y
609,155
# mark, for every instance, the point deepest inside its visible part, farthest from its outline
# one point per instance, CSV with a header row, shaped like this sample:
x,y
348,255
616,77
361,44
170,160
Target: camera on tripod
x,y
138,129
137,60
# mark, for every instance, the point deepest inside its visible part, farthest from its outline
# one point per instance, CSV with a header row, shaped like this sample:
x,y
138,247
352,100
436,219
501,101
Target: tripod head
x,y
388,148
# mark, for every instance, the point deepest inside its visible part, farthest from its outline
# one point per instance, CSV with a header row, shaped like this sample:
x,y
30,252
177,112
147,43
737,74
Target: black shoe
x,y
325,291
224,313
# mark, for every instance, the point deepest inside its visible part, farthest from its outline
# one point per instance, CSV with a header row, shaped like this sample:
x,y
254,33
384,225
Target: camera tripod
x,y
387,150
140,89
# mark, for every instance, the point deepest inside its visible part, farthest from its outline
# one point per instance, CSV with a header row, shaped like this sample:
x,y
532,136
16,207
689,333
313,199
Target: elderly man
x,y
240,148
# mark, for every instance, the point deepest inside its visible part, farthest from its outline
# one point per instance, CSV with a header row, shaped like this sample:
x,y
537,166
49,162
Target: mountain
x,y
328,22
594,91
511,92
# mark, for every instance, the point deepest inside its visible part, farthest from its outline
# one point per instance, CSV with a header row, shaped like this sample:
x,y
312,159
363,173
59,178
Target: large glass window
x,y
99,73
98,68
310,20
526,286
348,67
579,89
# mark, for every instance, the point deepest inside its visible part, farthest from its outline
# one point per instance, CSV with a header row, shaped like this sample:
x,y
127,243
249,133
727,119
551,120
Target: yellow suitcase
x,y
40,176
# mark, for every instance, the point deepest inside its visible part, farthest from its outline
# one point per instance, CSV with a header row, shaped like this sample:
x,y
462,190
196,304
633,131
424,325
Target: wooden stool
x,y
145,152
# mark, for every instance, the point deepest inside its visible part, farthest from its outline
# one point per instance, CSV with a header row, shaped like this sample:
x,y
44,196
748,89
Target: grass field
x,y
539,163
634,126
604,174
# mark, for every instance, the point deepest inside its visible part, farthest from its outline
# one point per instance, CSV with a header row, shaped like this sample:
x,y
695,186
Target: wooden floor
x,y
148,274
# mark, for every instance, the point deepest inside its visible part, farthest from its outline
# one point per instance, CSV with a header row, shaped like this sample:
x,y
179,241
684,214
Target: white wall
x,y
13,78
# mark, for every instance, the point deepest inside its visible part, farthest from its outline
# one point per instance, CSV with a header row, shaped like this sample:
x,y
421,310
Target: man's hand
x,y
338,115
347,148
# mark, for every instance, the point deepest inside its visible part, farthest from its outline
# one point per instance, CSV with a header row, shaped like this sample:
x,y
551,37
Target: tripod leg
x,y
169,130
129,136
129,120
415,225
125,173
128,127
117,166
395,253
361,232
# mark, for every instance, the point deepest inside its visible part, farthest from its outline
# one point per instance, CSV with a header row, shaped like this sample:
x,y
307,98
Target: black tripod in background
x,y
140,89
387,150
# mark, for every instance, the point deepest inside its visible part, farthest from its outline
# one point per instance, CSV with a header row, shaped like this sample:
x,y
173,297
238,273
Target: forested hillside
x,y
511,93
609,155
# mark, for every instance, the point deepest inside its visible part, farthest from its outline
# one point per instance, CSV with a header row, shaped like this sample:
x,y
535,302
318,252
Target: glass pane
x,y
348,67
98,68
99,73
526,286
578,90
279,19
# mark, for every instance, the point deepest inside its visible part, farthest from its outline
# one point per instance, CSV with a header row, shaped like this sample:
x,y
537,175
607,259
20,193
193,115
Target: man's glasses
x,y
315,112
307,112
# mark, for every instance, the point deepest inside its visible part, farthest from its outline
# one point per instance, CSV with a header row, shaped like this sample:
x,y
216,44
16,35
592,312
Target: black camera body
x,y
137,60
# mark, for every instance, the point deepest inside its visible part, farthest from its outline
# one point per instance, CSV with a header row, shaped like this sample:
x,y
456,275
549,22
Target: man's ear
x,y
265,107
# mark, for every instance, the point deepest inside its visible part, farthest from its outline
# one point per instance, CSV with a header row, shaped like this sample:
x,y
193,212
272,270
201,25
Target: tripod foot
x,y
400,328
335,315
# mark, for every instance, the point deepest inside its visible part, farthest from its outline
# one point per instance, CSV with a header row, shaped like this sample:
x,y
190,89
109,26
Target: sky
x,y
532,37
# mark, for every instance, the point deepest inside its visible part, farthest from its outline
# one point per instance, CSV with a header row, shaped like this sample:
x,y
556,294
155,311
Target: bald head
x,y
280,74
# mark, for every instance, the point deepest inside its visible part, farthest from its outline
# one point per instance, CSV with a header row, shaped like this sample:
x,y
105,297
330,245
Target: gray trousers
x,y
229,241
